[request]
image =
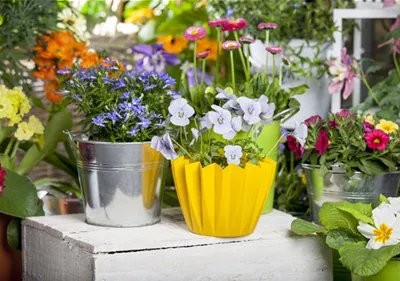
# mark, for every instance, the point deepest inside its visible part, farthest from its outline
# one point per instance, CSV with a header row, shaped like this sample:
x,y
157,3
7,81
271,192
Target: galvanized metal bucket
x,y
120,182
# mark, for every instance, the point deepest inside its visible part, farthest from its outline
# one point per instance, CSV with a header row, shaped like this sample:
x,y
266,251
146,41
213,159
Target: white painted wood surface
x,y
66,248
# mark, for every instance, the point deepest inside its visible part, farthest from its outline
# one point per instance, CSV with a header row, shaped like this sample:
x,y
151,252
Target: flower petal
x,y
366,230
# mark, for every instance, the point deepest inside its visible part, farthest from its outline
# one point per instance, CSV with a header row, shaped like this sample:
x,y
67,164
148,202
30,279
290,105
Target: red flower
x,y
346,113
377,139
267,25
217,22
312,120
236,24
322,142
3,174
295,146
333,124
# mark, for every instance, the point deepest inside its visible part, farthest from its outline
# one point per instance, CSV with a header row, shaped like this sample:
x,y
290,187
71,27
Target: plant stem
x,y
194,63
242,58
273,67
181,147
203,71
267,54
275,145
14,151
248,59
370,90
8,148
69,151
291,162
219,37
280,74
396,63
233,71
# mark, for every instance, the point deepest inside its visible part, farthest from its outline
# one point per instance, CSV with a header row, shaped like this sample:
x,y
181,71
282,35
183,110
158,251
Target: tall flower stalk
x,y
195,33
230,46
267,26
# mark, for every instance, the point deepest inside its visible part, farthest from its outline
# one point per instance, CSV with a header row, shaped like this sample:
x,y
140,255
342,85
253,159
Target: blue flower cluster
x,y
120,105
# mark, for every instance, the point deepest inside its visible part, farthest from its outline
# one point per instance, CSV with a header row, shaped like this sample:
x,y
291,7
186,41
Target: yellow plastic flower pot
x,y
222,202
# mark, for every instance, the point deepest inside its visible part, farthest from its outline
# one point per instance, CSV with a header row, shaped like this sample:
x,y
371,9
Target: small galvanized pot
x,y
120,182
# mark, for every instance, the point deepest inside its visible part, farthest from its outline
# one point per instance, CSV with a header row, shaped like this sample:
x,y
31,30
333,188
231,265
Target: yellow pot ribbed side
x,y
152,161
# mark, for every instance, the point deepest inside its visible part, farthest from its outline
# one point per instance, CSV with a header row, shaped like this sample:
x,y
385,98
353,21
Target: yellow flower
x,y
140,15
24,132
13,104
173,44
303,178
370,119
35,125
387,126
6,107
208,44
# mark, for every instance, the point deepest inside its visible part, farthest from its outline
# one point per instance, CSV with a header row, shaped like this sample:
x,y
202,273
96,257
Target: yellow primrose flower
x,y
140,15
387,126
6,107
370,119
35,125
24,132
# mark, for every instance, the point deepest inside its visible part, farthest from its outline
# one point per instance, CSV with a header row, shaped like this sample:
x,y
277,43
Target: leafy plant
x,y
355,230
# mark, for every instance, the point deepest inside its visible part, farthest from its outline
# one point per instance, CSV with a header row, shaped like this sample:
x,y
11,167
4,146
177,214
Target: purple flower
x,y
153,58
181,111
267,110
120,83
195,134
99,121
233,153
225,94
175,95
149,87
114,116
126,95
134,131
107,80
168,80
208,79
64,71
236,127
144,122
368,127
300,133
251,109
164,146
221,119
205,122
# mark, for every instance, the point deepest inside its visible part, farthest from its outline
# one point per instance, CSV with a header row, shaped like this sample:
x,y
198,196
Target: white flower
x,y
233,153
300,133
195,134
181,111
386,231
236,126
251,109
395,204
205,122
221,119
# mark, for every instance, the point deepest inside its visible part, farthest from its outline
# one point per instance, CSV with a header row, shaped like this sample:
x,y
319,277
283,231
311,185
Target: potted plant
x,y
367,239
120,175
349,157
18,195
305,30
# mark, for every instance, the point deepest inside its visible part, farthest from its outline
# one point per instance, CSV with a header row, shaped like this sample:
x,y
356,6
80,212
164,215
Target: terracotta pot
x,y
10,260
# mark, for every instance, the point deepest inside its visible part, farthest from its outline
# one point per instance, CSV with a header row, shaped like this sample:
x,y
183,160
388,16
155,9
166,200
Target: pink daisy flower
x,y
231,45
246,40
274,50
203,55
236,24
194,33
267,25
217,22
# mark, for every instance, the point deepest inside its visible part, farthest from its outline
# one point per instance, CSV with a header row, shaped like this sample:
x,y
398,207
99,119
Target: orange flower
x,y
43,63
140,15
50,90
80,48
65,64
208,44
173,44
64,38
45,74
89,59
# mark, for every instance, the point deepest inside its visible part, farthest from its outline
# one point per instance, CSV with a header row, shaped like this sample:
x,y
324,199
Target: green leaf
x,y
366,262
337,238
383,199
360,211
19,197
332,217
302,227
298,90
373,68
53,134
14,234
370,167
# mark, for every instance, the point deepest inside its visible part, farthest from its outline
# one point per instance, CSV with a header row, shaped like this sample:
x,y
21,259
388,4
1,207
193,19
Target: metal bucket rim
x,y
74,137
314,167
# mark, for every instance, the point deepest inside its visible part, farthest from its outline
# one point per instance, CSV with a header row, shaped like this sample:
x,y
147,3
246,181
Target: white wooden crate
x,y
66,248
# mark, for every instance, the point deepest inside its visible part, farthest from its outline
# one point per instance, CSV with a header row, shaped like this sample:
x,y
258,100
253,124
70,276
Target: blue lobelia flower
x,y
233,153
267,110
114,116
175,95
164,146
153,58
221,119
107,80
251,109
64,71
149,87
134,131
180,112
144,122
236,127
126,95
99,120
168,80
120,83
300,133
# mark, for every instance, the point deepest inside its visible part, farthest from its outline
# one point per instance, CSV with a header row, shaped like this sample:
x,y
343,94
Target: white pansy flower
x,y
386,229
